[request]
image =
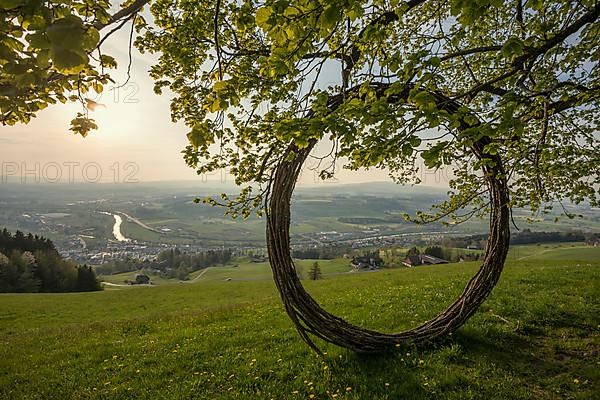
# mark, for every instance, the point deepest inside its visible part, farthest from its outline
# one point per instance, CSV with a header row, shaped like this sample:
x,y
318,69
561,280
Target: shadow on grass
x,y
490,363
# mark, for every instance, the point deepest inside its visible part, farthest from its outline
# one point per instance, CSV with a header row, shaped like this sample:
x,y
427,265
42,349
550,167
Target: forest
x,y
30,263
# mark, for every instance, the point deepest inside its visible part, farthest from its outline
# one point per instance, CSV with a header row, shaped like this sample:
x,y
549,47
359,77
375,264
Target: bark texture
x,y
311,319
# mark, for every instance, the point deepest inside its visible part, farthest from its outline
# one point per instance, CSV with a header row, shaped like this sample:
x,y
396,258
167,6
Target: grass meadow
x,y
537,336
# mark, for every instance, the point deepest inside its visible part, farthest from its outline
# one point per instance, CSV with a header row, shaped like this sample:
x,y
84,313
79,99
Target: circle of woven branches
x,y
311,319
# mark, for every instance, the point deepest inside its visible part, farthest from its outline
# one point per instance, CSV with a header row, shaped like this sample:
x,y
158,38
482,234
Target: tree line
x,y
30,263
321,253
177,264
172,263
526,236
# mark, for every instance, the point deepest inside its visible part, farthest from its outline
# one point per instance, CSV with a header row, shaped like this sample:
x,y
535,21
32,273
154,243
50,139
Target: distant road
x,y
140,223
120,285
198,276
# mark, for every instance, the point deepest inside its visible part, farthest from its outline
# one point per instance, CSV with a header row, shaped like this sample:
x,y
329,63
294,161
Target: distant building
x,y
594,242
259,258
422,259
366,263
141,279
412,261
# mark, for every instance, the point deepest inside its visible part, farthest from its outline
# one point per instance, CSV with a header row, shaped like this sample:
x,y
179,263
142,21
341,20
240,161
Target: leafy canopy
x,y
388,84
50,52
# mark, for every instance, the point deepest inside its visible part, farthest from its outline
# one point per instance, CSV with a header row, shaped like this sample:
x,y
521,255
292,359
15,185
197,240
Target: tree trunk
x,y
311,319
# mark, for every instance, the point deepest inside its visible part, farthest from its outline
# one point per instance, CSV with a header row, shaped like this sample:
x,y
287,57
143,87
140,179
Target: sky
x,y
136,140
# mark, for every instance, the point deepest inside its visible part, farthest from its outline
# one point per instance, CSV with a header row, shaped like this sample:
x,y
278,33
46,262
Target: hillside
x,y
536,337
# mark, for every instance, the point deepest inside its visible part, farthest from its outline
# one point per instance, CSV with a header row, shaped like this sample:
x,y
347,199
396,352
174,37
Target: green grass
x,y
537,336
238,271
248,271
120,279
562,252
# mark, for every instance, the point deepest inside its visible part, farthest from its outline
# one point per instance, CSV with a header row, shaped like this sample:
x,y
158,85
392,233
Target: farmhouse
x,y
141,279
258,258
366,263
422,259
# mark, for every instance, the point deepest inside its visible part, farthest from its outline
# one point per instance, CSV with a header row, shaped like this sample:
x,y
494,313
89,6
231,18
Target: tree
x,y
41,271
503,92
182,273
435,251
413,251
315,272
46,55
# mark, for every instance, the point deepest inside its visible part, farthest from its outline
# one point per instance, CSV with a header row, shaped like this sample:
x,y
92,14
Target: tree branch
x,y
123,13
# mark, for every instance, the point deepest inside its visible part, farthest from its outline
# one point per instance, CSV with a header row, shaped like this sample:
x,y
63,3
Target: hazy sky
x,y
135,137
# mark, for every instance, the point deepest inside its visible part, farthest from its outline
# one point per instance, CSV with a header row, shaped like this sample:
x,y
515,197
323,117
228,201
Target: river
x,y
117,227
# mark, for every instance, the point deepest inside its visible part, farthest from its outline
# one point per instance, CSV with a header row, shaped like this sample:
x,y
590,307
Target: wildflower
x,y
576,381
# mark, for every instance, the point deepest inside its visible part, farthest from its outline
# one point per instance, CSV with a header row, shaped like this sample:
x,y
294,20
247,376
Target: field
x,y
175,219
240,271
537,336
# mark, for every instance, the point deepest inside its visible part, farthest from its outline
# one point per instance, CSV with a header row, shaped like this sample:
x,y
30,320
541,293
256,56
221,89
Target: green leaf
x,y
67,33
43,58
82,125
201,135
220,86
68,61
423,99
91,38
331,15
432,157
262,17
108,61
512,48
38,40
